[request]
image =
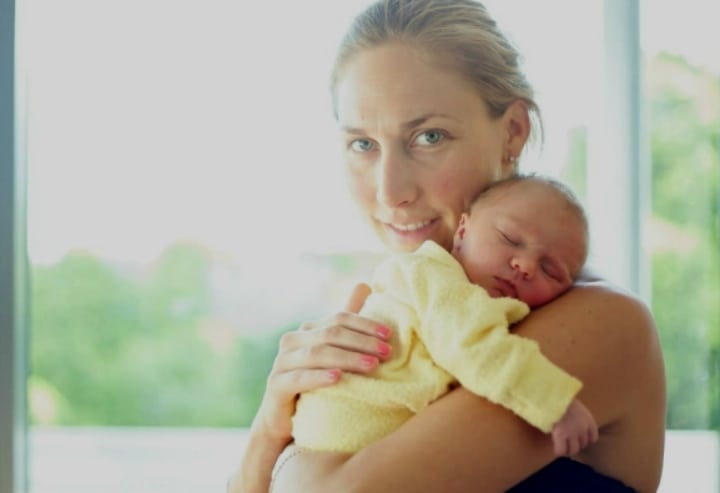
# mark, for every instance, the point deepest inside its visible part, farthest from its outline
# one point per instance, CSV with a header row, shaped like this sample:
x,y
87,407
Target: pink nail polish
x,y
382,331
333,375
369,361
383,348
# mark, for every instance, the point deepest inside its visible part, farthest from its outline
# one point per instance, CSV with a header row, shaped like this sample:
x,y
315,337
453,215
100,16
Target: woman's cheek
x,y
454,193
361,189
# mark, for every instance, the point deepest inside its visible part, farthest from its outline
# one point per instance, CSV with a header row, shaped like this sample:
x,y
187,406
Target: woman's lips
x,y
413,232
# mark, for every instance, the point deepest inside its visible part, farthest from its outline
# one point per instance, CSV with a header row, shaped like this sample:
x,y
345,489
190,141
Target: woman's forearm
x,y
465,443
255,471
453,448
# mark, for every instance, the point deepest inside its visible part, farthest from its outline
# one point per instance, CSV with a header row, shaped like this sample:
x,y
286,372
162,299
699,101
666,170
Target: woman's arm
x,y
253,475
311,357
464,443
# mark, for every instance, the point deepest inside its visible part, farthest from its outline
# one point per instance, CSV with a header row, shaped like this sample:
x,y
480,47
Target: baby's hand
x,y
575,430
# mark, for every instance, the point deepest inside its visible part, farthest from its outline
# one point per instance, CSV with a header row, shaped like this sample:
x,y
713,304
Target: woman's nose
x,y
523,266
396,180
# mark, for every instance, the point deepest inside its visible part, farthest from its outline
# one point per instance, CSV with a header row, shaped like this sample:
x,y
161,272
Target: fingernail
x,y
382,331
333,375
383,348
369,361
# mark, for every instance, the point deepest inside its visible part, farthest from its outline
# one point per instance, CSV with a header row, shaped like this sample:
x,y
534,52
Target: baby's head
x,y
525,237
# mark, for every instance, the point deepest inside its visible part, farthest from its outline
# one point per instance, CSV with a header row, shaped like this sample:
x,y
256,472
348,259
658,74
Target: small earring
x,y
512,159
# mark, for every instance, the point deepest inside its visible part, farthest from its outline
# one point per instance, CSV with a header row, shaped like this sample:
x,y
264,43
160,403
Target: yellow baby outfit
x,y
445,330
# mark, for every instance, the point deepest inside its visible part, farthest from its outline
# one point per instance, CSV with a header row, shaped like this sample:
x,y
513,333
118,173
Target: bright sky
x,y
155,121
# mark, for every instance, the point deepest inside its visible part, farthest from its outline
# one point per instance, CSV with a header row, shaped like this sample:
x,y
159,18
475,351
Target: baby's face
x,y
521,241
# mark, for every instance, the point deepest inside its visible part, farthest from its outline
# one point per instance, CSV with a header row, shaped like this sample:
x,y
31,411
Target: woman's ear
x,y
517,129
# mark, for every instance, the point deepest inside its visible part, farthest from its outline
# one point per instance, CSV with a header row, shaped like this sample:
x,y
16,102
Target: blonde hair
x,y
460,33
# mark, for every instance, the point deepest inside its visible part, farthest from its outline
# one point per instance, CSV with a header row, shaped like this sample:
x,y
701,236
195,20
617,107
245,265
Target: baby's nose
x,y
524,267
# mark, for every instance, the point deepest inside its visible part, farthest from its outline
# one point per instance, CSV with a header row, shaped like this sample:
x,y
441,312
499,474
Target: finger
x,y
338,336
325,357
593,434
358,323
573,446
347,320
305,326
357,298
566,447
582,441
291,383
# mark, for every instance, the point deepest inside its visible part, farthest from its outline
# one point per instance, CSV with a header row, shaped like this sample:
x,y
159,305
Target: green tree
x,y
685,132
114,348
82,317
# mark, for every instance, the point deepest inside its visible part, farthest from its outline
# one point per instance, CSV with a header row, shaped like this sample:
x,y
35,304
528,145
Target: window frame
x,y
618,165
621,252
13,263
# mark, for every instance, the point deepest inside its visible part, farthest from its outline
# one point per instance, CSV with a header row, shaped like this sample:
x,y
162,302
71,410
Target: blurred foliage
x,y
684,125
111,348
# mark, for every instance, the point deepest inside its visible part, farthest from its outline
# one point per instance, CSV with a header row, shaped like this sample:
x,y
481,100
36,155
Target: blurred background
x,y
186,207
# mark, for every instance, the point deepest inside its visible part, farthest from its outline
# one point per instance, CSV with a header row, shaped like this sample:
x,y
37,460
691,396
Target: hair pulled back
x,y
460,34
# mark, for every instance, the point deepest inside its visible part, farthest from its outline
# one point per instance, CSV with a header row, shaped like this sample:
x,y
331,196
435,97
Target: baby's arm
x,y
464,443
575,430
466,333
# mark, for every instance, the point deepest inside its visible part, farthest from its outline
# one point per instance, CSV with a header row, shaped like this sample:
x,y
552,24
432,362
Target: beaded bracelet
x,y
287,454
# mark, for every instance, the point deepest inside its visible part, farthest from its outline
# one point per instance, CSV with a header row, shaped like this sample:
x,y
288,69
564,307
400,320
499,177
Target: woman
x,y
433,107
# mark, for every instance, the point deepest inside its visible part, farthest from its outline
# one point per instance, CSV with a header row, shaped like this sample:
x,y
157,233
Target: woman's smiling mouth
x,y
412,233
409,228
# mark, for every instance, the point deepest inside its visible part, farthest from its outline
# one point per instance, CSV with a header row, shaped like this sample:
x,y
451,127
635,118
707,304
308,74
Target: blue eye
x,y
430,137
362,145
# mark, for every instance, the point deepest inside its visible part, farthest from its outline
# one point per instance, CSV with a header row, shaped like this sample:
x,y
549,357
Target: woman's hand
x,y
462,442
315,356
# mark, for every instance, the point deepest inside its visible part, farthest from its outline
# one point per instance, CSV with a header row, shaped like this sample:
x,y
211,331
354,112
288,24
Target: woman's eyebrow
x,y
415,122
423,118
351,130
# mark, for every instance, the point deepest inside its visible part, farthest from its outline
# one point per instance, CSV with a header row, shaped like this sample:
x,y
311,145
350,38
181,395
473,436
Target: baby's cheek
x,y
541,294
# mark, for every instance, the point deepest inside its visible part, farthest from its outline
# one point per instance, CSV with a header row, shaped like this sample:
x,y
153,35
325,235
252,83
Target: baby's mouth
x,y
506,287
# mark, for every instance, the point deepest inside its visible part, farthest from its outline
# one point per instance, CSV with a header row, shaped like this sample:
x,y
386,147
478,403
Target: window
x,y
176,227
13,453
681,95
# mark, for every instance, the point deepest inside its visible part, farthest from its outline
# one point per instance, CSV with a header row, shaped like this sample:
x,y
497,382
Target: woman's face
x,y
418,143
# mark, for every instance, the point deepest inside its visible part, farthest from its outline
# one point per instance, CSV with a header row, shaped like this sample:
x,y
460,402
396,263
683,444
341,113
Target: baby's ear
x,y
460,231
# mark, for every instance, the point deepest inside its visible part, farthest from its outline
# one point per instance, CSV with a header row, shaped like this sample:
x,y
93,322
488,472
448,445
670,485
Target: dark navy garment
x,y
568,476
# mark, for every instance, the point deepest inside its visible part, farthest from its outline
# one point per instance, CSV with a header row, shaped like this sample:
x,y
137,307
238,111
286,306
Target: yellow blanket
x,y
445,330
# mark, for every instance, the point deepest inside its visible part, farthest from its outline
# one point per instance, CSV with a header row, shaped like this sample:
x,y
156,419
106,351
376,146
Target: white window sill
x,y
176,460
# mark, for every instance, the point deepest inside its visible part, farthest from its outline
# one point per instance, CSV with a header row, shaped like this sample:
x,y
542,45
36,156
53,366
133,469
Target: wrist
x,y
261,452
266,429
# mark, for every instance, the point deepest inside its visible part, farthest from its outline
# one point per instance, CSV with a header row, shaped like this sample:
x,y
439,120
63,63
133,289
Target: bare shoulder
x,y
463,442
594,326
607,338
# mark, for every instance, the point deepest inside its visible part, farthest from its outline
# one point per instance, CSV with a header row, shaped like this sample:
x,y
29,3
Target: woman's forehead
x,y
394,81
